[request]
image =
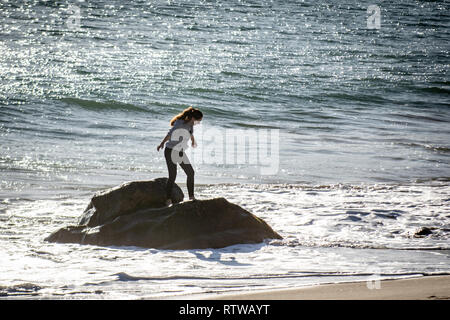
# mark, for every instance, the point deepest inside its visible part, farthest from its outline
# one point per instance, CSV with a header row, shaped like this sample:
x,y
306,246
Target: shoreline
x,y
421,288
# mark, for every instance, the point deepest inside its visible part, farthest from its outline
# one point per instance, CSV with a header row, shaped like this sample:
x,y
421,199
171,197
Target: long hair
x,y
187,115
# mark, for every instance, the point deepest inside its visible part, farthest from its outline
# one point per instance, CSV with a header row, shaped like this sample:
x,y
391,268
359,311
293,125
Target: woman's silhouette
x,y
177,138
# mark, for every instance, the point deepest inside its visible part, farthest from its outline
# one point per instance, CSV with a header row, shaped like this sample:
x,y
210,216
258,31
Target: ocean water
x,y
356,116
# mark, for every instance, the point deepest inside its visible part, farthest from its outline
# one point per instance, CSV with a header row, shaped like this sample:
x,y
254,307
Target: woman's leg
x,y
189,170
172,168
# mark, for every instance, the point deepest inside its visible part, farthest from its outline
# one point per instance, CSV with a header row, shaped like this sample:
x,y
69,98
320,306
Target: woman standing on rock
x,y
178,136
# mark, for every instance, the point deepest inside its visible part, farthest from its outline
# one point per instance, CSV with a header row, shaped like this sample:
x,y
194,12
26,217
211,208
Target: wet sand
x,y
423,288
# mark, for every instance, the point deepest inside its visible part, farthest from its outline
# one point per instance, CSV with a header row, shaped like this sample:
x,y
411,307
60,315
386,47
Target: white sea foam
x,y
331,233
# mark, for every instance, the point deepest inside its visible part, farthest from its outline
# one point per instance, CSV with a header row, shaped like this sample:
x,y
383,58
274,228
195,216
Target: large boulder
x,y
212,223
128,198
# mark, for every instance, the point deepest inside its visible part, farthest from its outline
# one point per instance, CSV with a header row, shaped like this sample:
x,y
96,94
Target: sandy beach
x,y
428,287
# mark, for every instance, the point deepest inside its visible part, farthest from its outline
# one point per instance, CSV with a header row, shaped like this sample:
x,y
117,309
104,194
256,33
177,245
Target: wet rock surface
x,y
123,216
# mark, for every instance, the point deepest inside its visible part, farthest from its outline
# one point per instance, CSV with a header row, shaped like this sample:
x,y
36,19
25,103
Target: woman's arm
x,y
164,141
194,144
